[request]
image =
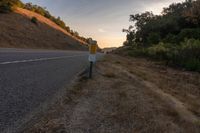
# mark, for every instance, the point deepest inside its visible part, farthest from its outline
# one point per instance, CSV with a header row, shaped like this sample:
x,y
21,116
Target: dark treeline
x,y
173,36
9,5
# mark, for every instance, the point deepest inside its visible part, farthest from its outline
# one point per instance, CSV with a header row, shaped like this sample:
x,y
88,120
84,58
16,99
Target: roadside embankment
x,y
126,95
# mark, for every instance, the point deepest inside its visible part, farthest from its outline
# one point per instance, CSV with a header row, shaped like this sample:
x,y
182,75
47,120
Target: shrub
x,y
186,55
192,64
191,48
5,7
153,38
190,54
189,33
158,51
170,38
34,20
137,52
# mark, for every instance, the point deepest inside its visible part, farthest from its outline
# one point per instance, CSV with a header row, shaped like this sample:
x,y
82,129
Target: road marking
x,y
40,59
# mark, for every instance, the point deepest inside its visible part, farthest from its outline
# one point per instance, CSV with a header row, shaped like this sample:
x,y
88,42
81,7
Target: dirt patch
x,y
120,100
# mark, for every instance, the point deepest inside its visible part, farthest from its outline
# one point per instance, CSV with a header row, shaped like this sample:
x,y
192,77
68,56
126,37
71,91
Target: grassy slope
x,y
17,30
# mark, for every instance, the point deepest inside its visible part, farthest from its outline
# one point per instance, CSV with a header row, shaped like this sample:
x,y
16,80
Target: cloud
x,y
101,30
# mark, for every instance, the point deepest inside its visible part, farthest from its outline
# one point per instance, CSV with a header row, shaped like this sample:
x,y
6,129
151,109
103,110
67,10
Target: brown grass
x,y
109,75
136,99
44,20
17,30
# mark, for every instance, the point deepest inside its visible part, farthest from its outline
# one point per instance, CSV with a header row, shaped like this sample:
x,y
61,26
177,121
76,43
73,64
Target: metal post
x,y
90,73
92,56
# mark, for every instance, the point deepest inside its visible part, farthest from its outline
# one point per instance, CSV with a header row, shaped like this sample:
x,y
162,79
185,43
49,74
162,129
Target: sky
x,y
103,20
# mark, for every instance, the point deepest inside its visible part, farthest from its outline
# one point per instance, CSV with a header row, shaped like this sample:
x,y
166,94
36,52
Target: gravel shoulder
x,y
126,95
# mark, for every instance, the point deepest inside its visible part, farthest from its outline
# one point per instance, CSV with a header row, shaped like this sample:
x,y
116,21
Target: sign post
x,y
92,55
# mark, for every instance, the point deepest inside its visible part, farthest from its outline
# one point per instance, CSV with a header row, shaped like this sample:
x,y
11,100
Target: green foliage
x,y
151,28
186,55
40,10
193,14
173,36
158,51
192,64
130,37
170,38
190,49
189,33
34,20
7,6
59,22
153,38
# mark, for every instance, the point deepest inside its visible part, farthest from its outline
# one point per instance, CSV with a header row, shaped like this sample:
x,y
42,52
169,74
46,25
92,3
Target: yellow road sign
x,y
93,49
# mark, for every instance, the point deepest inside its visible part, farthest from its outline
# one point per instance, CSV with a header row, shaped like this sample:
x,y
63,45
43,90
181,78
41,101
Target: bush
x,y
153,38
170,38
34,20
6,7
191,49
186,55
190,54
189,33
158,51
136,52
192,64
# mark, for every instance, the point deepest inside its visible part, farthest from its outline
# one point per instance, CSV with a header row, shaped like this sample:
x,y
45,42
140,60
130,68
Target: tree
x,y
171,22
9,5
130,37
141,19
193,14
153,38
76,34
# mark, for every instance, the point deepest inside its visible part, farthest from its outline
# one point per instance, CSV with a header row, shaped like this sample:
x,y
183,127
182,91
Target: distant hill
x,y
26,29
107,50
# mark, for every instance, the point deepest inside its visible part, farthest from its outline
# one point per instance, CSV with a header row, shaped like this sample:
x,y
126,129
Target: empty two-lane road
x,y
28,78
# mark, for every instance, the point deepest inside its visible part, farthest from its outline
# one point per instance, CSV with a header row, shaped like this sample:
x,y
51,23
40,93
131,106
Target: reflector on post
x,y
92,50
92,55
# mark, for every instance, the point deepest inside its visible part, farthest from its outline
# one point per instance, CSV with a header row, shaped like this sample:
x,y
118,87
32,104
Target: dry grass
x,y
117,62
109,75
143,75
44,20
124,98
17,30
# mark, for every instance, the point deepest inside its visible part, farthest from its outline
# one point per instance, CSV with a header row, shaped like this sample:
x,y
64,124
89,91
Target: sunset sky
x,y
102,20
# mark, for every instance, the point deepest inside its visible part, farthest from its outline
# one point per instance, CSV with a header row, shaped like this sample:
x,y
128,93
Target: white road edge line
x,y
40,59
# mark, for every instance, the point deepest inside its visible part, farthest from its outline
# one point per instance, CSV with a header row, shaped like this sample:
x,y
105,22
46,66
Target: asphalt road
x,y
29,78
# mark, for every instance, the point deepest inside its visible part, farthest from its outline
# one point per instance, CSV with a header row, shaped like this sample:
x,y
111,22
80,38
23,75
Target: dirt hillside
x,y
17,30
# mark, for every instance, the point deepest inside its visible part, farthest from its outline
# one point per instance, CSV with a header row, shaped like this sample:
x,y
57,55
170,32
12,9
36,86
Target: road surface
x,y
28,78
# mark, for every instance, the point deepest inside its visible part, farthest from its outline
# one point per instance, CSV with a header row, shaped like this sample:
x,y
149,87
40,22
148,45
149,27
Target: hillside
x,y
17,30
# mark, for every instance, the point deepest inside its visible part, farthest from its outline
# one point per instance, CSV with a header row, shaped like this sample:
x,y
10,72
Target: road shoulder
x,y
125,95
